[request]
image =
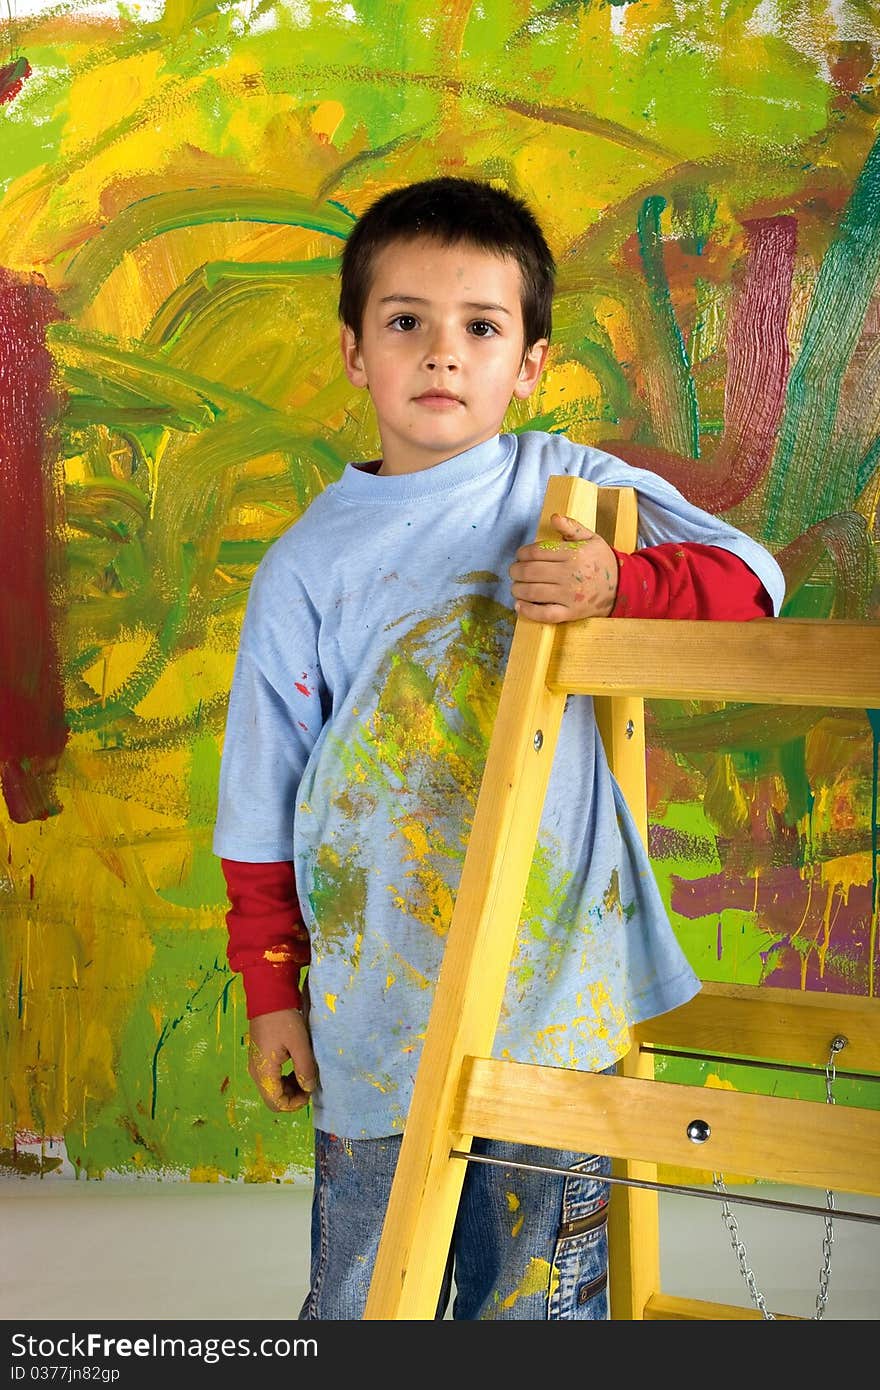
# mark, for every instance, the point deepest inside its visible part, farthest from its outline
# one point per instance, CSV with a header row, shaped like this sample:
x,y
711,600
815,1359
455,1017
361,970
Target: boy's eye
x,y
405,322
481,329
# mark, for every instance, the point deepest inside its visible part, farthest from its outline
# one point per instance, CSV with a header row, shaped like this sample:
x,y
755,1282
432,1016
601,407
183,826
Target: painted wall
x,y
175,186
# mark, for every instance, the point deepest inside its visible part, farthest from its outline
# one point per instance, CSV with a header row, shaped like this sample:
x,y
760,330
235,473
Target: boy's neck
x,y
397,462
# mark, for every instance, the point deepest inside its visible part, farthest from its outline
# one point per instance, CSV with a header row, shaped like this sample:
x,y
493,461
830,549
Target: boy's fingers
x,y
279,1092
542,612
567,525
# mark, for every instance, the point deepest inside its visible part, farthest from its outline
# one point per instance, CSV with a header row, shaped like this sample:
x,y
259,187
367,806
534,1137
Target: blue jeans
x,y
526,1245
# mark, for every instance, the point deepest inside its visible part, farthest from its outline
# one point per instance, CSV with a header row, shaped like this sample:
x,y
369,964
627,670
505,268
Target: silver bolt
x,y
698,1131
630,728
538,740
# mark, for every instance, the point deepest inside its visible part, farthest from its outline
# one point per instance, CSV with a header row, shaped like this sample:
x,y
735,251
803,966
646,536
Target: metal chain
x,y
837,1045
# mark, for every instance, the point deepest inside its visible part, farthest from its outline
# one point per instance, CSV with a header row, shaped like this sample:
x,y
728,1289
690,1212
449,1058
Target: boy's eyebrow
x,y
417,299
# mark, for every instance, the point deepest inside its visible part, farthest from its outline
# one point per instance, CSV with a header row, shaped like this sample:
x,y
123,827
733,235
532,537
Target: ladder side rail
x,y
633,1212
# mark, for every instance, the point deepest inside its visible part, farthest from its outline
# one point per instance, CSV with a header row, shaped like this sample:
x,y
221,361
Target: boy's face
x,y
441,349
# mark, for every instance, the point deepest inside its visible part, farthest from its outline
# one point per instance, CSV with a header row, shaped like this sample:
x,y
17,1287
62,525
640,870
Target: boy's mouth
x,y
437,399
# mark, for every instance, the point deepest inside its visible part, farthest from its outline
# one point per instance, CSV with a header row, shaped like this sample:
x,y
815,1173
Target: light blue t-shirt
x,y
369,668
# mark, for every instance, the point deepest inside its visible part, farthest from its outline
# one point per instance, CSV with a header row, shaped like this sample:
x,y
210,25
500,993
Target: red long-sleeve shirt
x,y
268,941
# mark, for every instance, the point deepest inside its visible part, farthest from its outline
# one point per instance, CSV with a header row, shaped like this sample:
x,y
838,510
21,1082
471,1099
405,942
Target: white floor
x,y
152,1251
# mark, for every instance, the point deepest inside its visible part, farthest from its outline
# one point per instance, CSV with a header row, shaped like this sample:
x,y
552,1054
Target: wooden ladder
x,y
460,1091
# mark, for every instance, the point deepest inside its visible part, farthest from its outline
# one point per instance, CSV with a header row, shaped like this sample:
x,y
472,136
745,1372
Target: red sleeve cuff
x,y
688,581
268,941
270,987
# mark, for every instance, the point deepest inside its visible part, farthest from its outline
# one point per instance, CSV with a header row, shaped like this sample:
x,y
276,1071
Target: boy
x,y
369,668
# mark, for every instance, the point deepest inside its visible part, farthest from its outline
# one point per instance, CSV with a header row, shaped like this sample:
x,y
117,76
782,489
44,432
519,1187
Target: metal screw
x,y
538,740
630,728
838,1043
698,1131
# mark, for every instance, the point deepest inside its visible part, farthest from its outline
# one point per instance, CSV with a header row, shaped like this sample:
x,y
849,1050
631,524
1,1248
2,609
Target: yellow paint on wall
x,y
196,675
125,313
121,88
81,953
567,385
203,1174
846,871
723,800
139,844
115,665
327,118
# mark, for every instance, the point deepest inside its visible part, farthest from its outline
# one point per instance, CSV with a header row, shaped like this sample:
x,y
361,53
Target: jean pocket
x,y
579,1288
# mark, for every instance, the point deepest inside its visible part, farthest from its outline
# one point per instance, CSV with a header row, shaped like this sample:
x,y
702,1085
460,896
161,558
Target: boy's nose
x,y
441,354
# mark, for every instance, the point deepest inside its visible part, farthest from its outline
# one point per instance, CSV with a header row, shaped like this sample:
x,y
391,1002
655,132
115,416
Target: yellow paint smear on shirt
x,y
417,838
427,897
409,972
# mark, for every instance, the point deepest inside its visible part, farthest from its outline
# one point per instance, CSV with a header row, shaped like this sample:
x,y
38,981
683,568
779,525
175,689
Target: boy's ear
x,y
531,369
351,356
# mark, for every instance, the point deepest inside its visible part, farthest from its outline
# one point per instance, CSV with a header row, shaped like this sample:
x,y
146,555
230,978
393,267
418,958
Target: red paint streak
x,y
32,728
12,78
303,689
758,360
32,887
850,68
302,725
847,540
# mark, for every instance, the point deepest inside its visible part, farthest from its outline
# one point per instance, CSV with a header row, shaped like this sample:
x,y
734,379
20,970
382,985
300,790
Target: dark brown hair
x,y
451,210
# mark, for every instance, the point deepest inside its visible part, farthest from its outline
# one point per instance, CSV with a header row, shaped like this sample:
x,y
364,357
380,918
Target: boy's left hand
x,y
560,580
